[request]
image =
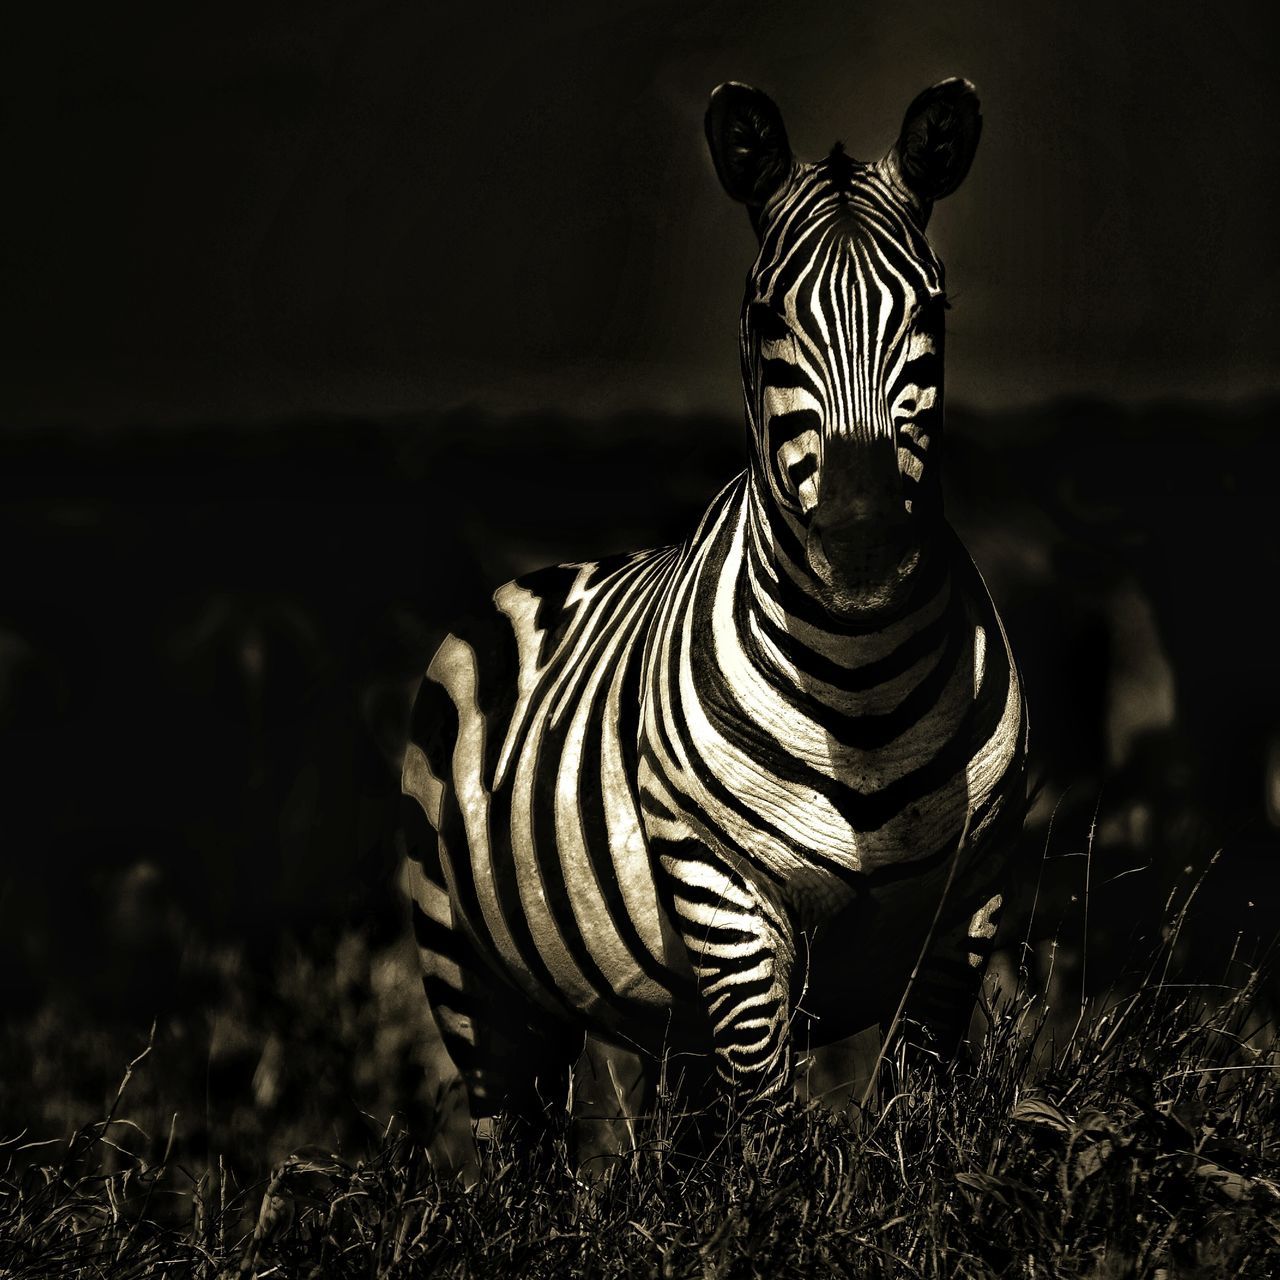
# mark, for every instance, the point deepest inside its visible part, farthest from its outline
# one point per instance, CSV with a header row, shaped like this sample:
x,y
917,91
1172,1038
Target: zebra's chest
x,y
813,833
813,797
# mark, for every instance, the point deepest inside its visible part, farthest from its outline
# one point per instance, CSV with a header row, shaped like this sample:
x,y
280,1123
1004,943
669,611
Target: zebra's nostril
x,y
863,521
863,548
864,518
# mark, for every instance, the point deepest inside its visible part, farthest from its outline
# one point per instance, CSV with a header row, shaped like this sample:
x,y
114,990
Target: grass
x,y
1135,1135
1140,1140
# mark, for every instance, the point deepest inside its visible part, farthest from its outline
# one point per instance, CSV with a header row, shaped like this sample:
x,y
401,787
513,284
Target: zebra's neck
x,y
791,740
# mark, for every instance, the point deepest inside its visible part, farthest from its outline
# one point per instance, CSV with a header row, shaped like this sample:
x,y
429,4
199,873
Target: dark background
x,y
249,209
318,321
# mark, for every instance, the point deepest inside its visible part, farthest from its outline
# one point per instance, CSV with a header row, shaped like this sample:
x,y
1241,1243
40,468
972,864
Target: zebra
x,y
687,797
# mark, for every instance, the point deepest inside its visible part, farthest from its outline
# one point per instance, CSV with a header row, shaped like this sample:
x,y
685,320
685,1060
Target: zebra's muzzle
x,y
863,547
862,566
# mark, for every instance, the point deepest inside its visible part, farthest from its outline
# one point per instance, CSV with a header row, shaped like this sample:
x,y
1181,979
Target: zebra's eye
x,y
929,310
766,323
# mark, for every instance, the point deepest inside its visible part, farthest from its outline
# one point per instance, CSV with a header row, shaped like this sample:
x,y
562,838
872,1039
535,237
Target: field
x,y
207,646
1139,1140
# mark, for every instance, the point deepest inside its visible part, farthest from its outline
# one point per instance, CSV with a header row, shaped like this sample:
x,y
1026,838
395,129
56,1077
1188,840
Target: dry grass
x,y
1143,1143
1134,1136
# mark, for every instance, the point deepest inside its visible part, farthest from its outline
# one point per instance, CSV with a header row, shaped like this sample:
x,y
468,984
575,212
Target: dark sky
x,y
254,208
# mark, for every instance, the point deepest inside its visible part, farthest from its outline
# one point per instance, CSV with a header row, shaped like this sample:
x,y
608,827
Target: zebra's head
x,y
842,340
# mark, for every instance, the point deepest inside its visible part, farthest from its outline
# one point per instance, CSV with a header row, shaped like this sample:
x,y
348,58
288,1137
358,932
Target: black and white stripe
x,y
656,796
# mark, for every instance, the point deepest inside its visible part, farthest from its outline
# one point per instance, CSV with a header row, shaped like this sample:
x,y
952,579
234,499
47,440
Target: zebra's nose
x,y
865,552
860,486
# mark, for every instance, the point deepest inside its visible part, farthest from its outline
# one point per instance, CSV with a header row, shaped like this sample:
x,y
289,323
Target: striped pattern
x,y
843,337
659,796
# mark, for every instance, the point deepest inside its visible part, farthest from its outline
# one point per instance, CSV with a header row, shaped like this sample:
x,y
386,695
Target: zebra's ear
x,y
937,143
748,143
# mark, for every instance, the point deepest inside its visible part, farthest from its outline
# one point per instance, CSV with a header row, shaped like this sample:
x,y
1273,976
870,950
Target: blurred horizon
x,y
125,394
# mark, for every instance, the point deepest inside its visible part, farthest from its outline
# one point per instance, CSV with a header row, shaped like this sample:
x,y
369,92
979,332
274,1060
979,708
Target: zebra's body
x,y
656,797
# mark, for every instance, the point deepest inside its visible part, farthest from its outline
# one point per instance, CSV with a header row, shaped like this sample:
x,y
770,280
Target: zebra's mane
x,y
841,169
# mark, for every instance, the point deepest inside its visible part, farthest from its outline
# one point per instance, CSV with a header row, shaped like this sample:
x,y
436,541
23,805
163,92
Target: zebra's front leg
x,y
741,948
940,999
